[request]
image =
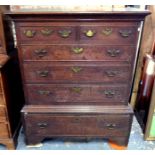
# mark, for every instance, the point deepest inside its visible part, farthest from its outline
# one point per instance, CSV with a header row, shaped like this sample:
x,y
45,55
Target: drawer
x,y
53,34
109,34
2,114
4,130
77,94
78,52
77,125
73,72
2,102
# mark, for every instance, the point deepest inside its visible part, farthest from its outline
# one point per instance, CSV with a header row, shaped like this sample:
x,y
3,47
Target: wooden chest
x,y
77,73
11,96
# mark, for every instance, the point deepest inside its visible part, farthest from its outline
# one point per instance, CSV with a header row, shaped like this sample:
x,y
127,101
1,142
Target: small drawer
x,y
2,114
109,34
77,94
4,130
73,72
77,125
2,102
78,52
50,34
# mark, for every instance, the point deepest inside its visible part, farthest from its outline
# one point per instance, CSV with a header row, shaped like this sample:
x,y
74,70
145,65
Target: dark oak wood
x,y
77,71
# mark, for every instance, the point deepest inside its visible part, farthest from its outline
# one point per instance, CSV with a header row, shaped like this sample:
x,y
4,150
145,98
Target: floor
x,y
136,142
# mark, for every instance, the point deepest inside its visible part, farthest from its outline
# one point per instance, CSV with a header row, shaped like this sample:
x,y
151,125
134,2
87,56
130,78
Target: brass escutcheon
x,y
89,33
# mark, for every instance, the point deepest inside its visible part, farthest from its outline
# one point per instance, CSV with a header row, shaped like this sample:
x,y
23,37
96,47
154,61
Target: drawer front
x,y
53,34
77,94
4,130
2,114
43,72
78,52
2,102
79,125
109,34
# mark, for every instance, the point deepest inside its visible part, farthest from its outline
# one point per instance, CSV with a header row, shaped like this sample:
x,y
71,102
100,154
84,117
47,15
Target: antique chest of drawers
x,y
11,96
77,71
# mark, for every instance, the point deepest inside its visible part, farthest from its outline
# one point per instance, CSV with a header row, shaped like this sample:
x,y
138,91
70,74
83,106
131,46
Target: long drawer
x,y
74,72
83,33
78,52
77,124
76,94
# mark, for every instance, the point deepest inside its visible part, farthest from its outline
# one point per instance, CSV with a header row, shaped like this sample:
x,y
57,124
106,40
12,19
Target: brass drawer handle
x,y
111,73
77,50
89,33
46,32
125,33
43,73
44,92
109,93
64,33
113,52
111,126
29,33
42,125
107,31
76,69
76,89
40,52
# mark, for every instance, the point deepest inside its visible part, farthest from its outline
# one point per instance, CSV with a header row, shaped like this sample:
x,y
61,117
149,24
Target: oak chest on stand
x,y
77,71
